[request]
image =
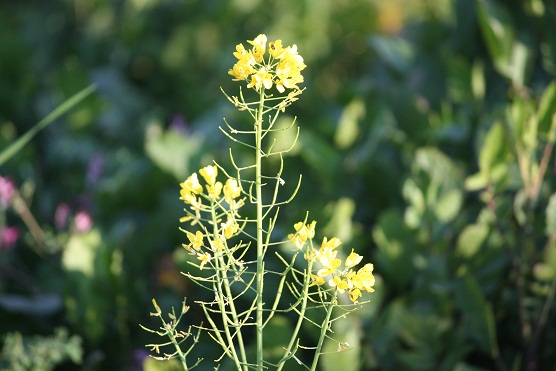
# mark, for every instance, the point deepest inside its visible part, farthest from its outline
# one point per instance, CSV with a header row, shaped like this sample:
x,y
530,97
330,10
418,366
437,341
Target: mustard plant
x,y
229,248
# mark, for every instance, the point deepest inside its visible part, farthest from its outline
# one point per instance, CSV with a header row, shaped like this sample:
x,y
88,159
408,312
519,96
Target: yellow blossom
x,y
259,47
364,278
303,233
339,283
189,188
261,78
264,72
333,243
327,257
354,294
275,49
195,240
317,280
230,228
231,190
214,190
204,258
353,259
218,244
209,173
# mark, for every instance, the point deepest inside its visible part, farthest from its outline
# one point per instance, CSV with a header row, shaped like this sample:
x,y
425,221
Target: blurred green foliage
x,y
427,134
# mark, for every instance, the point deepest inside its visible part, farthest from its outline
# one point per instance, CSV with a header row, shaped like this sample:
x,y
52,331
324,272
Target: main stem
x,y
260,241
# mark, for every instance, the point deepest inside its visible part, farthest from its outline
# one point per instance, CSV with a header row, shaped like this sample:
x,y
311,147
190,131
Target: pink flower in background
x,y
83,221
7,190
8,238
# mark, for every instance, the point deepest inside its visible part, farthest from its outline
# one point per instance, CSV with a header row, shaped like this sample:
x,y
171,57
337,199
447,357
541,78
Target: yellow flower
x,y
354,294
332,243
275,49
214,190
303,233
252,66
353,259
204,258
242,69
259,47
261,78
339,283
189,188
317,280
230,228
209,173
218,244
327,257
364,278
231,190
195,240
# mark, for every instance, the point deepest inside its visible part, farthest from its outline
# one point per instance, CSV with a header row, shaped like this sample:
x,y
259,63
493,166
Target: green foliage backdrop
x,y
427,133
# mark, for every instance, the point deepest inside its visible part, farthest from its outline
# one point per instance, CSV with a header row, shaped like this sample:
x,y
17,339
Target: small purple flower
x,y
94,170
83,221
7,190
179,123
138,356
61,216
8,238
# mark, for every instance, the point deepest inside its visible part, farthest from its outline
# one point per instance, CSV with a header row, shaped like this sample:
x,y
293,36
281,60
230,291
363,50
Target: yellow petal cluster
x,y
303,233
345,279
280,66
192,193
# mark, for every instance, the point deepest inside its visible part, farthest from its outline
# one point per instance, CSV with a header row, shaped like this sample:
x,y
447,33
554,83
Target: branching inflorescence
x,y
230,248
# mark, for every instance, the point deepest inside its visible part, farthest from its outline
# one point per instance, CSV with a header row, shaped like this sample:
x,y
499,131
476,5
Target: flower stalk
x,y
220,239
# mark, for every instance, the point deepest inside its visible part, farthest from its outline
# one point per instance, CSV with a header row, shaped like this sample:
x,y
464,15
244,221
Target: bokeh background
x,y
426,141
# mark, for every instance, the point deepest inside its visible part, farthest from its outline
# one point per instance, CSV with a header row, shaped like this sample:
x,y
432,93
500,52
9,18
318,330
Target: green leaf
x,y
511,55
348,126
496,26
172,152
550,228
471,239
477,312
449,205
492,150
16,146
547,112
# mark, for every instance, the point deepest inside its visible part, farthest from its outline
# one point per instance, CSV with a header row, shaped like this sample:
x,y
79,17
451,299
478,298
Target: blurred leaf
x,y
492,148
471,239
338,355
395,248
397,52
477,313
173,152
449,205
547,112
550,228
12,149
491,159
81,251
348,126
510,51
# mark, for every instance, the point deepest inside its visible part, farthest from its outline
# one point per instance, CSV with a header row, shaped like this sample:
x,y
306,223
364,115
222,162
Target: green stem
x,y
260,242
221,270
305,294
323,330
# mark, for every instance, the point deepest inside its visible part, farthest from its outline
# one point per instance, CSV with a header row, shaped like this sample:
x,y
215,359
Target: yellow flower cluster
x,y
346,279
282,66
191,189
192,194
